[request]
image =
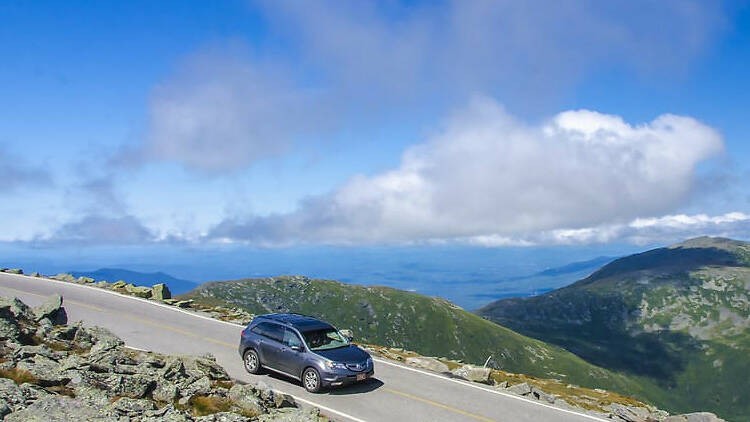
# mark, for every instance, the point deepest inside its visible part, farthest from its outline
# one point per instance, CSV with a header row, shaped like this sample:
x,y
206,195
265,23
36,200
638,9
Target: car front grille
x,y
356,367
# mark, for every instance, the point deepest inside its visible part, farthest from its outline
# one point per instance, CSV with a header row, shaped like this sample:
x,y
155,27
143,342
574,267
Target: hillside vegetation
x,y
679,316
395,318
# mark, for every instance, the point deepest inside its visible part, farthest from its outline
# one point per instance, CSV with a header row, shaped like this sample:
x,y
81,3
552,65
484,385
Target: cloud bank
x,y
488,175
362,63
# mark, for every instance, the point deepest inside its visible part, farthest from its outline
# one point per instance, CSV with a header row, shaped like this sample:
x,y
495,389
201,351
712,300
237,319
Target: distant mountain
x,y
679,316
574,267
427,325
176,285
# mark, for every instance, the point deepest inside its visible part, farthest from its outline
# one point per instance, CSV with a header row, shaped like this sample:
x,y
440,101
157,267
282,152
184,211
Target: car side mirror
x,y
296,348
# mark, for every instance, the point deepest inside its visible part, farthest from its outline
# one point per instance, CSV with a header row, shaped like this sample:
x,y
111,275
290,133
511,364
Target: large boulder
x,y
431,364
160,292
56,408
474,373
50,310
139,291
245,399
521,389
64,277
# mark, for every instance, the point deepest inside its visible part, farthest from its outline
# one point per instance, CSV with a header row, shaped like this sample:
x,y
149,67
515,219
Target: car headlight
x,y
335,365
369,361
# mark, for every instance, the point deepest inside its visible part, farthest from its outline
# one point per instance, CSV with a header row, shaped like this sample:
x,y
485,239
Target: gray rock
x,y
139,291
290,415
427,363
85,280
45,370
539,394
165,392
160,292
201,386
64,277
136,386
245,398
49,309
521,389
61,409
222,417
132,407
13,271
628,413
474,373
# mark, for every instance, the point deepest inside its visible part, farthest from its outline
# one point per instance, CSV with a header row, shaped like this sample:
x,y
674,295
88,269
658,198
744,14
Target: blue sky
x,y
270,124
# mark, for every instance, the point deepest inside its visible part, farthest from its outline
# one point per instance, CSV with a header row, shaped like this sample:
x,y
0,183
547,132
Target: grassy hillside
x,y
396,318
679,316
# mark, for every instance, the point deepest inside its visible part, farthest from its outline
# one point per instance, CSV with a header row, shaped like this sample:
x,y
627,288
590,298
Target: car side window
x,y
275,332
291,338
261,329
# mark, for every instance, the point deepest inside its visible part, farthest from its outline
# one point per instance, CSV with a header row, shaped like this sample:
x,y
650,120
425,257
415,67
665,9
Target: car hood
x,y
346,354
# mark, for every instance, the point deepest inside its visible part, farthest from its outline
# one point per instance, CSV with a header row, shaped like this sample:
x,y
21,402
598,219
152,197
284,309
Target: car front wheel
x,y
251,361
311,380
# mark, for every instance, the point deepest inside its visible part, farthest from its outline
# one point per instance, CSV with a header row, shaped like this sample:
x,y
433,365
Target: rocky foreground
x,y
51,371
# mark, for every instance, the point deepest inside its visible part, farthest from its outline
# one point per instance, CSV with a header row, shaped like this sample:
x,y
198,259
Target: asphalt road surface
x,y
397,393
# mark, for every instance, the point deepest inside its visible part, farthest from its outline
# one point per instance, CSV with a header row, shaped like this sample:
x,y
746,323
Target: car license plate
x,y
361,377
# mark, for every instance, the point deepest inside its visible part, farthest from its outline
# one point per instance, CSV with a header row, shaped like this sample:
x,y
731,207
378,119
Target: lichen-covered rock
x,y
431,364
61,409
139,291
49,309
474,373
521,389
160,292
245,399
85,280
64,277
86,373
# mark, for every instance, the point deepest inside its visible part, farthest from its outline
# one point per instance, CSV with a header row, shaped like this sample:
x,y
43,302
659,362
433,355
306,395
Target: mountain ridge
x,y
678,315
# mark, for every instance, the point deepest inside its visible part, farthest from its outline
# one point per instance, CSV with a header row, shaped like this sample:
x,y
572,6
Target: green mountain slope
x,y
679,316
429,326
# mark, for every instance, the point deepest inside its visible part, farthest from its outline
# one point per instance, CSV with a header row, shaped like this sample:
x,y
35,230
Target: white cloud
x,y
489,177
224,109
363,63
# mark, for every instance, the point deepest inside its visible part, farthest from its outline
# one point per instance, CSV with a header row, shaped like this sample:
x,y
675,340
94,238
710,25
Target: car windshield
x,y
324,339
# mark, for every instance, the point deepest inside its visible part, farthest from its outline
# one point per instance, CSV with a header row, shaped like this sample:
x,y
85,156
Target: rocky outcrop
x,y
160,292
55,372
474,373
431,364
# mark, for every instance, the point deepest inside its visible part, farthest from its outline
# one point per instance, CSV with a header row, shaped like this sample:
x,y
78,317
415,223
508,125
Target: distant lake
x,y
467,276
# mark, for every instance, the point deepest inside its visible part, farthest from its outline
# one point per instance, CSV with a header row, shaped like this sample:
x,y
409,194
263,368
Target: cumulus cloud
x,y
224,109
487,175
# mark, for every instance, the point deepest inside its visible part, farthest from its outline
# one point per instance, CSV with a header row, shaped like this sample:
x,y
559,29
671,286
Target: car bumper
x,y
337,379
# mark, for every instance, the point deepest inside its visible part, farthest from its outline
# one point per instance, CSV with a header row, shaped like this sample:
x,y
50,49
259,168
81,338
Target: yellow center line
x,y
440,405
180,331
84,305
21,291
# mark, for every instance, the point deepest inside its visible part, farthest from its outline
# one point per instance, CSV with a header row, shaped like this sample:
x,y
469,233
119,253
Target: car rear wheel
x,y
251,361
311,380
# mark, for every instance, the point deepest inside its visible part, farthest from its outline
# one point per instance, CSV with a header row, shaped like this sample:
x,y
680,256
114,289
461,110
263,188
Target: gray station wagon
x,y
304,348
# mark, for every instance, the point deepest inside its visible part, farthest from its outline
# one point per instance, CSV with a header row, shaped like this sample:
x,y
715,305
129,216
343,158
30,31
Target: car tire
x,y
311,380
251,361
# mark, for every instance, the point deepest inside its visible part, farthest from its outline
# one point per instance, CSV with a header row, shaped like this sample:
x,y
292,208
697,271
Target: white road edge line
x,y
442,377
501,393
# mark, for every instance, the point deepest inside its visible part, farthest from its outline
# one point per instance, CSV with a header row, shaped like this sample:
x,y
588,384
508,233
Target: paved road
x,y
398,393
